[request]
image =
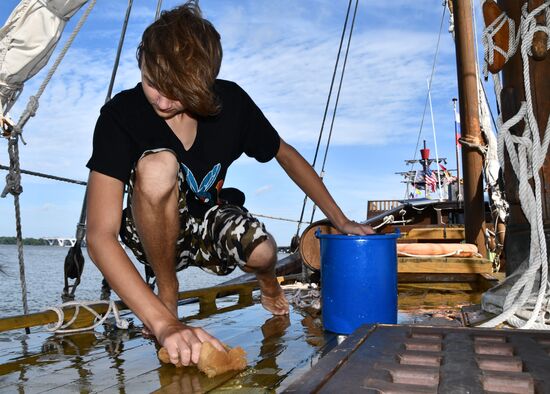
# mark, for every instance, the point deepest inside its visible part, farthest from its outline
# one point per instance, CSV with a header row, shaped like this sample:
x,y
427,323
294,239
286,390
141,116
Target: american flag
x,y
431,179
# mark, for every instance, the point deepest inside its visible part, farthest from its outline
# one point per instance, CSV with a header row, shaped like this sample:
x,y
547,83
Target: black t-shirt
x,y
128,126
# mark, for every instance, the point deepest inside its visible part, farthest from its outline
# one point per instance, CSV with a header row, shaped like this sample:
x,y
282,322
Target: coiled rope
x,y
524,306
62,328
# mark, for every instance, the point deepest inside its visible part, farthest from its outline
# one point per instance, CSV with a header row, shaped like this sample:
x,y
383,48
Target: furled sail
x,y
27,41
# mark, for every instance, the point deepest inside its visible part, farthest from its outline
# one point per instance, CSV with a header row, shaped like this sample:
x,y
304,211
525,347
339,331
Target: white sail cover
x,y
27,41
491,164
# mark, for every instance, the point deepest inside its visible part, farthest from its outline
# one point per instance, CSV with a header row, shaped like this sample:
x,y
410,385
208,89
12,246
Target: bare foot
x,y
273,297
277,305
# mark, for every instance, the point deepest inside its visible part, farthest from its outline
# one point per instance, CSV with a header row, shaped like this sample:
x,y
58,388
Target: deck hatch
x,y
414,359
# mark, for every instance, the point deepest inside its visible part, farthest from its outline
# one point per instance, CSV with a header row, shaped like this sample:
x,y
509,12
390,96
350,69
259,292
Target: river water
x,y
44,277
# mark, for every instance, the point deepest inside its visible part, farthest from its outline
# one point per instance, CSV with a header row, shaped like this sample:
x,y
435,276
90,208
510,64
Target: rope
x,y
278,218
489,45
326,110
322,173
527,154
119,49
435,143
62,328
413,161
13,179
47,176
387,220
13,187
32,105
81,225
159,7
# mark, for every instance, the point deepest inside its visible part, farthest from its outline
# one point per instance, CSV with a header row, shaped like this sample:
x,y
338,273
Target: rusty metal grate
x,y
413,359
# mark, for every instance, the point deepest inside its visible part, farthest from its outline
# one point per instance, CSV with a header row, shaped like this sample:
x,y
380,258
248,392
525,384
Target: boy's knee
x,y
156,175
264,255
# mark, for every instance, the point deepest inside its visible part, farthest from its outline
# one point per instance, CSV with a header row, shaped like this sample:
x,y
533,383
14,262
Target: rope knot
x,y
32,106
7,126
13,185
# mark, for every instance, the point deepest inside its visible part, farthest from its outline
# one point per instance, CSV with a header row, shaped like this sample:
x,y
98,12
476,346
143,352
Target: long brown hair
x,y
181,52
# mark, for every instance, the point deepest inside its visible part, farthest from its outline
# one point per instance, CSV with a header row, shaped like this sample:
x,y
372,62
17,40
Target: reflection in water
x,y
58,346
179,380
277,350
272,346
75,347
264,374
69,346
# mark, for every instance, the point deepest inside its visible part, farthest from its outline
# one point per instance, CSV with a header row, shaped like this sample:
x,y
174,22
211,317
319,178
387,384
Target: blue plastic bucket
x,y
358,280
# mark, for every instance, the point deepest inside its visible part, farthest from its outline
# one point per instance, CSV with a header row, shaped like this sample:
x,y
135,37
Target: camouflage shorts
x,y
224,238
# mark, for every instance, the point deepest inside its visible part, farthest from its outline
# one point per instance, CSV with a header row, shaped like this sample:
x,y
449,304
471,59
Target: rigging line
x,y
337,99
81,225
13,183
277,218
159,6
435,144
326,108
47,176
119,50
429,86
477,66
490,109
13,186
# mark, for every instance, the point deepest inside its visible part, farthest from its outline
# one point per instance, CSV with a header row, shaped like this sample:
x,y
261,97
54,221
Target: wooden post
x,y
472,161
518,231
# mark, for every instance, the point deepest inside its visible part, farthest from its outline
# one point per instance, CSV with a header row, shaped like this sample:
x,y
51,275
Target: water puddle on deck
x,y
279,350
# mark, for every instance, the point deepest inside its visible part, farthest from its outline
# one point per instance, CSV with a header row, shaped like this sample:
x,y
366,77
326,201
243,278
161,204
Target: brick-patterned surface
x,y
412,359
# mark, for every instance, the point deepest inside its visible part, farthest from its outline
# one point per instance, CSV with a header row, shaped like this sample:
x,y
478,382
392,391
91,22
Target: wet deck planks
x,y
279,350
125,362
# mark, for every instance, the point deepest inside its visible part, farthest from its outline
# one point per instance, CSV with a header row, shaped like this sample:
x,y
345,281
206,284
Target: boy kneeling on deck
x,y
171,139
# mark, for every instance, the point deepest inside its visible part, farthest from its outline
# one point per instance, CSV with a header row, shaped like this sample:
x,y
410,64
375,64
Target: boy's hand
x,y
352,227
183,343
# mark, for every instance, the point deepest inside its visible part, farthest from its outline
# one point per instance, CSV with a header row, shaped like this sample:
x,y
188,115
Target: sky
x,y
283,54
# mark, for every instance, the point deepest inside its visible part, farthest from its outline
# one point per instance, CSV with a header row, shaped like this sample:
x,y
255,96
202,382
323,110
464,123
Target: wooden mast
x,y
513,92
472,161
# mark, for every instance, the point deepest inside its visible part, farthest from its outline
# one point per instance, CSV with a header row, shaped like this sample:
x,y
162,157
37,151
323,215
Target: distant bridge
x,y
61,241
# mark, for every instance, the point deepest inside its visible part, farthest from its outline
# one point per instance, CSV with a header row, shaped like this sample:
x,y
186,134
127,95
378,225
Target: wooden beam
x,y
206,297
451,265
472,161
450,233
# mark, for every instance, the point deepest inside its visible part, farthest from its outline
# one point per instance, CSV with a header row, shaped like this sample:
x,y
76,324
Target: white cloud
x,y
263,189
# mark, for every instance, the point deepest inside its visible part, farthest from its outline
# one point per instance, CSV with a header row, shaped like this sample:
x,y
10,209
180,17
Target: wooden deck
x,y
280,349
